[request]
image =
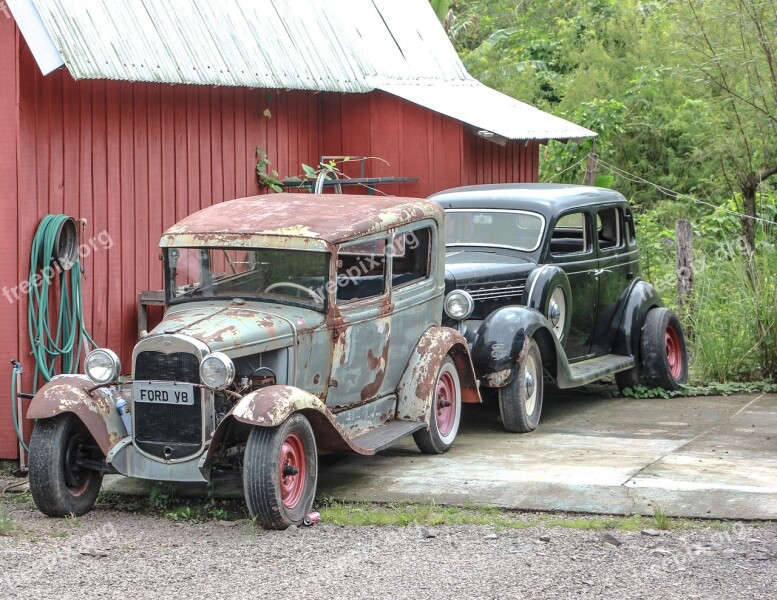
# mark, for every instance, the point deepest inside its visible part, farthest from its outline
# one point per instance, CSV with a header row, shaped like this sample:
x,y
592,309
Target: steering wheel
x,y
295,286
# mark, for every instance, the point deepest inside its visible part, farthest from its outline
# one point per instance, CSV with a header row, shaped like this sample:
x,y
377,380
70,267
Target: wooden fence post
x,y
684,245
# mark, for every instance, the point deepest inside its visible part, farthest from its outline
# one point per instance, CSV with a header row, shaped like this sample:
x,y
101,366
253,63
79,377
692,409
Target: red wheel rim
x,y
292,470
445,402
674,356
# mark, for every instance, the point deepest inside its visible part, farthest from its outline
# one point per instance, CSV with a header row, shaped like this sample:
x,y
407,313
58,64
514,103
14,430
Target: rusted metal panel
x,y
296,221
271,406
97,410
416,390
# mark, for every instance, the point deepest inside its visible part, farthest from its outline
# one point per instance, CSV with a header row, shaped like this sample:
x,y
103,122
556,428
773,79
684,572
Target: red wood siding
x,y
8,225
132,159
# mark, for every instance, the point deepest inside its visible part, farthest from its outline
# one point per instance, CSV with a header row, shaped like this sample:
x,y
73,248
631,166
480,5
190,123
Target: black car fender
x,y
539,287
641,297
498,344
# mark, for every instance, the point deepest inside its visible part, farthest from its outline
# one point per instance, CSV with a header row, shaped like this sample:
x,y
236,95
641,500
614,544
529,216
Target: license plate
x,y
163,392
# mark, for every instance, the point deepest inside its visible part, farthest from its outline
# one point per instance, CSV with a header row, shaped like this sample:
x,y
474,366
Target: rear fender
x,y
642,296
416,388
96,409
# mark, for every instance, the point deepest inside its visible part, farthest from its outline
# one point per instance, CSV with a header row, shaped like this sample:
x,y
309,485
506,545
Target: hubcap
x,y
529,383
557,307
674,356
292,470
445,403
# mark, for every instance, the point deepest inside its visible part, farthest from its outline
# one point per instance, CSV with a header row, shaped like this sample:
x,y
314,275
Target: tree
x,y
730,47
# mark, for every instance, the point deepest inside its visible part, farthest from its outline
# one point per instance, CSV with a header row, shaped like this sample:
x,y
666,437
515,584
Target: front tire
x,y
520,402
445,414
280,472
59,486
663,352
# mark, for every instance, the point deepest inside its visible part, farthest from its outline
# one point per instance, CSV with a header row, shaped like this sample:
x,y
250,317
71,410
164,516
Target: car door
x,y
571,247
361,347
618,262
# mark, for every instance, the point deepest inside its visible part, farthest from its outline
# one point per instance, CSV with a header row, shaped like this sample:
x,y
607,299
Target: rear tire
x,y
59,486
280,471
445,414
663,352
520,402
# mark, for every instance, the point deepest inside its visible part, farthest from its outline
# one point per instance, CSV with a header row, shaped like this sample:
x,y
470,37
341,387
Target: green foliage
x,y
7,526
161,496
662,521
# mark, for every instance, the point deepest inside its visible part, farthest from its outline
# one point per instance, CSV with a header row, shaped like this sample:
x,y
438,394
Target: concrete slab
x,y
713,457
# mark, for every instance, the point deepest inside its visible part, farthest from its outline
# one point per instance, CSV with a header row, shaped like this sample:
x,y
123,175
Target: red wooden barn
x,y
132,114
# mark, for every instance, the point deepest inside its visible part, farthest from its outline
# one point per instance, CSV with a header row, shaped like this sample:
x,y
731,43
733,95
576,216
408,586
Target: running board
x,y
386,435
593,369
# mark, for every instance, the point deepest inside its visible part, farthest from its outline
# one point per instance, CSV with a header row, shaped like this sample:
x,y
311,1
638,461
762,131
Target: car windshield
x,y
517,229
283,276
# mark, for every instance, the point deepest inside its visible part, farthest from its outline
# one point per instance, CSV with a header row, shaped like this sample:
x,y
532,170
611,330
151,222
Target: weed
x,y
7,526
662,521
182,513
7,469
160,497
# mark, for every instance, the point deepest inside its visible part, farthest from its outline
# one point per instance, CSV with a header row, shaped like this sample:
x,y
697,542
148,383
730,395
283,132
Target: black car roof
x,y
547,199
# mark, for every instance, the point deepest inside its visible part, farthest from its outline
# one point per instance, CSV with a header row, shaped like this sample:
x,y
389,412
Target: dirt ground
x,y
114,552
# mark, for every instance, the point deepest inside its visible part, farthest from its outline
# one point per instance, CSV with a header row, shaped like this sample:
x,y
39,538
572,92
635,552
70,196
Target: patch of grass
x,y
662,521
7,469
7,526
59,534
632,523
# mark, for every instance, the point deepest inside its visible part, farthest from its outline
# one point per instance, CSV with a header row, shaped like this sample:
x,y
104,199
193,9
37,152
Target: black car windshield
x,y
275,275
516,229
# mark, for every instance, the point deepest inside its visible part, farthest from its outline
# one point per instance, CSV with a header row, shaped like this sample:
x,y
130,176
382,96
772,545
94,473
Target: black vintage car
x,y
544,279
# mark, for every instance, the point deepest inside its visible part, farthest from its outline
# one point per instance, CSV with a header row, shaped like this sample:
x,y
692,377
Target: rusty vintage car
x,y
295,325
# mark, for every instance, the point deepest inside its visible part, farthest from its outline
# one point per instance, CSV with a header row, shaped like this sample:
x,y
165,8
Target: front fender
x,y
415,392
498,343
271,406
97,410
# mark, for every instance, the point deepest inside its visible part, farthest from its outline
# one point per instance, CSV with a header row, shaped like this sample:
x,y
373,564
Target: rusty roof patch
x,y
309,221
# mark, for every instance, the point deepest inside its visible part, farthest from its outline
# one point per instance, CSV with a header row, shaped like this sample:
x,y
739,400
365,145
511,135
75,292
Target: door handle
x,y
600,271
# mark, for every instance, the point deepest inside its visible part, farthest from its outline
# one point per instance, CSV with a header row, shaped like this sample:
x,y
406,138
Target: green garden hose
x,y
66,343
64,339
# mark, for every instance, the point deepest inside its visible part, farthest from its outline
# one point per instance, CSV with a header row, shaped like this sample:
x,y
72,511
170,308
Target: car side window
x,y
571,235
410,255
630,234
361,270
609,227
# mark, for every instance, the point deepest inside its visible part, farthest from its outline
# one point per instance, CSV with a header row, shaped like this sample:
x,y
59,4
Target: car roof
x,y
547,199
301,221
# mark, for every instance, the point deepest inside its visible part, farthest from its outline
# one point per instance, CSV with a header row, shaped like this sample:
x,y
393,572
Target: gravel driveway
x,y
117,554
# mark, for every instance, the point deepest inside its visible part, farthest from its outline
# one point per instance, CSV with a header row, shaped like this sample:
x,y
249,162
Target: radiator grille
x,y
490,298
157,425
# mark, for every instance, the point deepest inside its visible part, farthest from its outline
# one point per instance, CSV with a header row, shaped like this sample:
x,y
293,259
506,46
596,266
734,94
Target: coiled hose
x,y
64,339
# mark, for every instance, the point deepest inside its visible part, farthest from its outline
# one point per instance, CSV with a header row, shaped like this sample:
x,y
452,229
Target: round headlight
x,y
217,371
459,305
102,366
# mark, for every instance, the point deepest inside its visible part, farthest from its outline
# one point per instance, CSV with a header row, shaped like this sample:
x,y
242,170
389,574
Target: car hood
x,y
230,327
464,267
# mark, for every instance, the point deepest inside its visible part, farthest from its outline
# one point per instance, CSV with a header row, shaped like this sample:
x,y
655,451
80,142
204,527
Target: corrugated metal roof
x,y
489,110
339,46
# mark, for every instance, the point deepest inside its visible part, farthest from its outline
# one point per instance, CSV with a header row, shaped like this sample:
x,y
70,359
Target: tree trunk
x,y
684,264
749,189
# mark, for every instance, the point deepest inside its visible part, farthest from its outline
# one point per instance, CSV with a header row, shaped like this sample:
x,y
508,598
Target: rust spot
x,y
316,378
377,364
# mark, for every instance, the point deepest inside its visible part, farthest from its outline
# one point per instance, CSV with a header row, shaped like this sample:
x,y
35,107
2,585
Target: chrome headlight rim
x,y
228,371
465,303
113,366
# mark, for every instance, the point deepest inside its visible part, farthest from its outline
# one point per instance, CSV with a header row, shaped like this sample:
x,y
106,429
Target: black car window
x,y
609,227
571,235
410,256
361,268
